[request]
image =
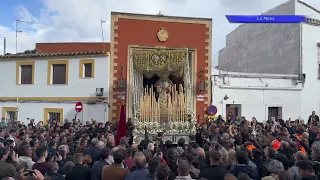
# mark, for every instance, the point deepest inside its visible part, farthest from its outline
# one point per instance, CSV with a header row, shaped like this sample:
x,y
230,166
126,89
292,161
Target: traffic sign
x,y
212,110
79,106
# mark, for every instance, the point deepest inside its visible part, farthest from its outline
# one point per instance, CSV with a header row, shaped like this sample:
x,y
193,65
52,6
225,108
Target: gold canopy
x,y
161,62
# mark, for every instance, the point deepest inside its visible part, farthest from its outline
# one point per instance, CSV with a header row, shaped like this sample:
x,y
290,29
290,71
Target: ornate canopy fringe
x,y
160,61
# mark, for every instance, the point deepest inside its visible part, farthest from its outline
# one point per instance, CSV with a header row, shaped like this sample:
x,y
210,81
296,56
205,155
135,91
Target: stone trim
x,y
208,62
161,18
113,71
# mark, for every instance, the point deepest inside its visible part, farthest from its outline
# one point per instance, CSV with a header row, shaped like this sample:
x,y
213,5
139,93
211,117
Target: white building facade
x,y
265,95
47,86
257,95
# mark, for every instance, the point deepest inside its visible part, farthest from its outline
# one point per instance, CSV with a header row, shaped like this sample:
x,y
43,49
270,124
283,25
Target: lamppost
x,y
19,31
102,35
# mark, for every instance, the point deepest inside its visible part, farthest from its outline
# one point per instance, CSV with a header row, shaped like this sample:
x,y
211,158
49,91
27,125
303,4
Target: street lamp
x,y
212,79
19,31
102,36
226,97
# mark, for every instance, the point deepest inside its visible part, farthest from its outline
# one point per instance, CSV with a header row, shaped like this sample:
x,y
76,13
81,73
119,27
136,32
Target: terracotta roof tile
x,y
37,54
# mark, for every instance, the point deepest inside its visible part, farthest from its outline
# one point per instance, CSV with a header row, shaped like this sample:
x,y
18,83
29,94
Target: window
x,y
53,114
274,112
9,113
25,72
58,72
86,68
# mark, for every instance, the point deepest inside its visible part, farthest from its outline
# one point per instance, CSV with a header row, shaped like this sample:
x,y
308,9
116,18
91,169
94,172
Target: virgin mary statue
x,y
163,86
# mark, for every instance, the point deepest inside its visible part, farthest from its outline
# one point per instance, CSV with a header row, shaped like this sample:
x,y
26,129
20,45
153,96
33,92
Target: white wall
x,y
36,111
310,62
256,93
296,100
76,88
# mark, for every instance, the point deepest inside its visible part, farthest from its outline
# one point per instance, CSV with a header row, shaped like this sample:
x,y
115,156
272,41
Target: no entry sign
x,y
79,106
212,110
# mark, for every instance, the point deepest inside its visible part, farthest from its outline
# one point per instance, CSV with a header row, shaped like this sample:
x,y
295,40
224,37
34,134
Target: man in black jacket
x,y
97,166
215,171
78,172
94,151
313,118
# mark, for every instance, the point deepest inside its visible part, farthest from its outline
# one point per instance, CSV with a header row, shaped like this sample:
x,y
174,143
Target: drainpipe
x,y
301,61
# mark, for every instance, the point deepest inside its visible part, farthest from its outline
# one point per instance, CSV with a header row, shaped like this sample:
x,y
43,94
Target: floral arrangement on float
x,y
153,127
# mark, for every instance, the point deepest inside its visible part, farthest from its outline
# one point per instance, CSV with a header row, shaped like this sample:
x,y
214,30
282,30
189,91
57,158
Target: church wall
x,y
141,30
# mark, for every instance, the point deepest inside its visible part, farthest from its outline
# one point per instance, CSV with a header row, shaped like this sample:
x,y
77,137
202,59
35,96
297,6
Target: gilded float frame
x,y
193,71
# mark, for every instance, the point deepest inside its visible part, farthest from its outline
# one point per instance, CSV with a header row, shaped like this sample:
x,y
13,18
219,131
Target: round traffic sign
x,y
212,110
79,106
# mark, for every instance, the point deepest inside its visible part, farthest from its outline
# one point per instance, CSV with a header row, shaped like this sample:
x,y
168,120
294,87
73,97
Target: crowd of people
x,y
222,149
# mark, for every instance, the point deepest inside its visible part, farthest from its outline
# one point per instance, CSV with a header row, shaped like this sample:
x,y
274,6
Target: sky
x,y
79,20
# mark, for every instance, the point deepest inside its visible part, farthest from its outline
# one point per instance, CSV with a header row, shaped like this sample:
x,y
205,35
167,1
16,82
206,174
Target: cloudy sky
x,y
79,20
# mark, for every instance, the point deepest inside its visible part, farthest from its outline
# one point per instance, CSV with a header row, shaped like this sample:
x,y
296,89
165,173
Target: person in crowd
x,y
313,118
94,151
98,165
179,149
202,159
229,176
274,168
152,167
53,173
220,149
140,171
306,170
63,151
194,172
242,165
294,170
162,172
183,170
6,169
215,170
192,141
25,156
128,160
78,172
115,170
69,165
270,154
41,165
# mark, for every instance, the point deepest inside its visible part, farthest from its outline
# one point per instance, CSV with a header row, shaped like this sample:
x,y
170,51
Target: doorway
x,y
274,112
235,109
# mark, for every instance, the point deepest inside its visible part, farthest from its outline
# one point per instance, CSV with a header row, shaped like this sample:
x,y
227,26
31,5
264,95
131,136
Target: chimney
x,y
4,45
